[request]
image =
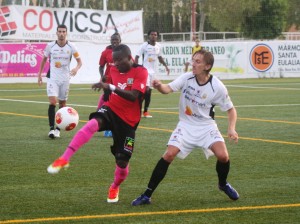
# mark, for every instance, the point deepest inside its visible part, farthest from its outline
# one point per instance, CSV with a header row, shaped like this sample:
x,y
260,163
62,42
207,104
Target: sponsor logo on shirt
x,y
122,86
129,81
129,144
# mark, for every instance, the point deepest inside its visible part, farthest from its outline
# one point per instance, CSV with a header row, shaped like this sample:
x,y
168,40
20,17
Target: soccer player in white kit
x,y
151,51
200,93
60,53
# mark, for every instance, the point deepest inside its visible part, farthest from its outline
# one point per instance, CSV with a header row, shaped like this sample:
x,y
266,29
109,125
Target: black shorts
x,y
123,133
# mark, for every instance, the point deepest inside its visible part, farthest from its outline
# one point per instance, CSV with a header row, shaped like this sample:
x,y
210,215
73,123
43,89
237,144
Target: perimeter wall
x,y
19,62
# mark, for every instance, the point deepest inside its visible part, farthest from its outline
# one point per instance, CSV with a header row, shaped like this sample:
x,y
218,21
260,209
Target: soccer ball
x,y
66,118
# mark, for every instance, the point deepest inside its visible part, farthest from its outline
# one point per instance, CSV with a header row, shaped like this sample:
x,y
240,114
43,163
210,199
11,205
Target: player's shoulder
x,y
70,43
184,78
187,75
138,67
215,79
145,44
51,43
157,44
107,50
216,82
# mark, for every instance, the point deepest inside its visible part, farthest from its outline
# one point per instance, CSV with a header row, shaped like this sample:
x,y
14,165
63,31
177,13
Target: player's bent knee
x,y
223,158
169,156
122,160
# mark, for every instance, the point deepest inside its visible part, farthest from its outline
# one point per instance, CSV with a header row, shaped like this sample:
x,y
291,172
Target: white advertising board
x,y
233,60
93,26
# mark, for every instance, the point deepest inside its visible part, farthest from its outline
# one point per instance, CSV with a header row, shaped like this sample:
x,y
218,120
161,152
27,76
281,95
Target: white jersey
x,y
150,55
60,59
197,101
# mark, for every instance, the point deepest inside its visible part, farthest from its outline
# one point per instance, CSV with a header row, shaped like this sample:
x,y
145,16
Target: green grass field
x,y
265,164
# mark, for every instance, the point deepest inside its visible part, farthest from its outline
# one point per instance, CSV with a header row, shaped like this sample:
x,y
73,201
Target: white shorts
x,y
187,137
150,78
59,89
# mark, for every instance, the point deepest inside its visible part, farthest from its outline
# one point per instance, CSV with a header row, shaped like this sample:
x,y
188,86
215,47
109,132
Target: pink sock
x,y
120,176
101,101
80,138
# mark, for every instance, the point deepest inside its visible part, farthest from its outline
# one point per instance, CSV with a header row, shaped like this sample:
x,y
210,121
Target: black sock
x,y
147,100
51,116
222,170
158,175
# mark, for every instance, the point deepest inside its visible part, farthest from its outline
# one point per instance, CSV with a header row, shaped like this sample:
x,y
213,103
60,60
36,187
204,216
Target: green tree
x,y
258,19
157,14
71,3
268,22
228,15
293,15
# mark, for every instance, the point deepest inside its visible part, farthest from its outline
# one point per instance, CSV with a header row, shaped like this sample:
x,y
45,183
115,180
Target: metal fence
x,y
217,36
291,35
203,36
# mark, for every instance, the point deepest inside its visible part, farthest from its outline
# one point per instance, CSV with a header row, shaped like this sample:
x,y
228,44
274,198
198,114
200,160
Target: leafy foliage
x,y
228,15
268,22
293,15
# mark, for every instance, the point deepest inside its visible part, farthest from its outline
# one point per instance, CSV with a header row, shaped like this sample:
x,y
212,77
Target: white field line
x,y
259,86
36,90
262,87
169,108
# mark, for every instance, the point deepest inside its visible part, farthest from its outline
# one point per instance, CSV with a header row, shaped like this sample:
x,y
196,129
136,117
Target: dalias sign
x,y
21,60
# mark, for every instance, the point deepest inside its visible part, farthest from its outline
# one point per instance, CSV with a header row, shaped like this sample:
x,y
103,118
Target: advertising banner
x,y
93,26
274,58
230,58
233,60
238,60
21,60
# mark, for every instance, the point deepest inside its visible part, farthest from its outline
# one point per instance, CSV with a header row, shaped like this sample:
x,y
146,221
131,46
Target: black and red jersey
x,y
136,79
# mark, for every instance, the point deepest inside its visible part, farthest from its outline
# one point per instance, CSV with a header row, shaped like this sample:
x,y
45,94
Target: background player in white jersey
x,y
200,92
151,51
60,53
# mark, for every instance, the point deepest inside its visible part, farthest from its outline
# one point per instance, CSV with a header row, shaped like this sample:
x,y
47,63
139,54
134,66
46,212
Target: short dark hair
x,y
150,31
62,26
116,34
124,49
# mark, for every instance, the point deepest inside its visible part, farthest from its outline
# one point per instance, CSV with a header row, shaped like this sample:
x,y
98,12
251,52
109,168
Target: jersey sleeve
x,y
222,98
102,60
75,52
140,79
47,50
179,82
141,50
159,54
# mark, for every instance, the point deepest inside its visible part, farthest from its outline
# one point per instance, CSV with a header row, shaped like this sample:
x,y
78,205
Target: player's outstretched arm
x,y
163,88
74,71
232,117
97,86
40,80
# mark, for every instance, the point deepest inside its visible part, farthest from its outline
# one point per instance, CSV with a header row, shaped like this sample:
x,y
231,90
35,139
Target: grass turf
x,y
264,164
